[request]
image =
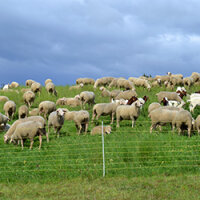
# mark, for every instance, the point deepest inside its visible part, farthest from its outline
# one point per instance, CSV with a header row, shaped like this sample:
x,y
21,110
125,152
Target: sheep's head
x,y
77,97
81,84
164,101
60,112
108,130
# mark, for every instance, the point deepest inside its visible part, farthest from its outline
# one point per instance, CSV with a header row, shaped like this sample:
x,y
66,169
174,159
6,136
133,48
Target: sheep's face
x,y
5,138
108,130
60,112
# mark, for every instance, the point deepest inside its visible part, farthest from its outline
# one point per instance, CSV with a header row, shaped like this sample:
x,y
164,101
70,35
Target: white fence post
x,y
103,151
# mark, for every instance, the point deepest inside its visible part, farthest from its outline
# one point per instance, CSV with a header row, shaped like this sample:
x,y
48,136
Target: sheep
x,y
175,75
188,81
29,129
81,119
193,103
29,98
156,83
133,99
113,83
29,82
120,101
14,85
34,112
197,124
126,94
153,106
87,97
61,101
128,112
140,82
4,98
76,87
182,118
46,107
23,111
104,109
48,81
9,108
36,87
11,130
114,93
127,84
23,90
169,95
50,87
173,103
98,130
195,76
6,87
161,116
3,120
85,81
163,78
104,92
103,81
56,119
176,81
73,102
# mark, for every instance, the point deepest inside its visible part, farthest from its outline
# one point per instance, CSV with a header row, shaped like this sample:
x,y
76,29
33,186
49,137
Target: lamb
x,y
23,111
169,95
76,87
126,94
128,112
193,103
182,118
98,130
105,92
29,98
11,130
103,81
48,81
29,129
4,98
161,116
9,108
34,112
14,85
140,82
29,82
36,87
104,109
46,107
173,103
56,119
197,124
87,97
50,87
85,81
81,119
3,120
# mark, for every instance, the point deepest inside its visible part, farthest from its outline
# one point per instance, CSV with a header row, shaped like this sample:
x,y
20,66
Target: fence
x,y
132,152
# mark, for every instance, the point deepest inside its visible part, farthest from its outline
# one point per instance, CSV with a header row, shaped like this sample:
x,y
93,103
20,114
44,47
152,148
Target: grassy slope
x,y
129,152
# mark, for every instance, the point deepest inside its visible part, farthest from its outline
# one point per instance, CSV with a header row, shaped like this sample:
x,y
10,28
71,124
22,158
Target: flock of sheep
x,y
124,105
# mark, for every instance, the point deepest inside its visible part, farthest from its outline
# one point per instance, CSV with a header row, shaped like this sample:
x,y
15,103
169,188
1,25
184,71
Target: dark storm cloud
x,y
64,40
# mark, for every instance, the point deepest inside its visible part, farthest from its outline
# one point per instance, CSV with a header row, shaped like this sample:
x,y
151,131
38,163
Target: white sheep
x,y
4,127
29,98
50,87
188,81
23,111
3,120
195,101
28,130
76,87
56,119
98,130
29,82
104,92
128,112
46,107
182,118
11,130
126,94
104,109
81,119
14,85
87,97
197,124
103,81
4,98
9,108
169,95
48,81
127,84
85,81
140,82
34,112
173,103
36,87
153,106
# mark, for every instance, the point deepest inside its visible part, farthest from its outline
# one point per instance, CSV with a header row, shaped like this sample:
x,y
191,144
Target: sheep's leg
x,y
31,146
93,116
198,129
118,123
179,131
58,132
86,127
47,134
189,131
22,144
80,128
40,139
152,127
112,118
133,122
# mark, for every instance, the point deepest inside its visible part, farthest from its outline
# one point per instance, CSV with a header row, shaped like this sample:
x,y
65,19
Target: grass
x,y
134,158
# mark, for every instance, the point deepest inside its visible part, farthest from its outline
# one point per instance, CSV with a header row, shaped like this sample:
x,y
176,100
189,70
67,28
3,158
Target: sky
x,y
68,39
